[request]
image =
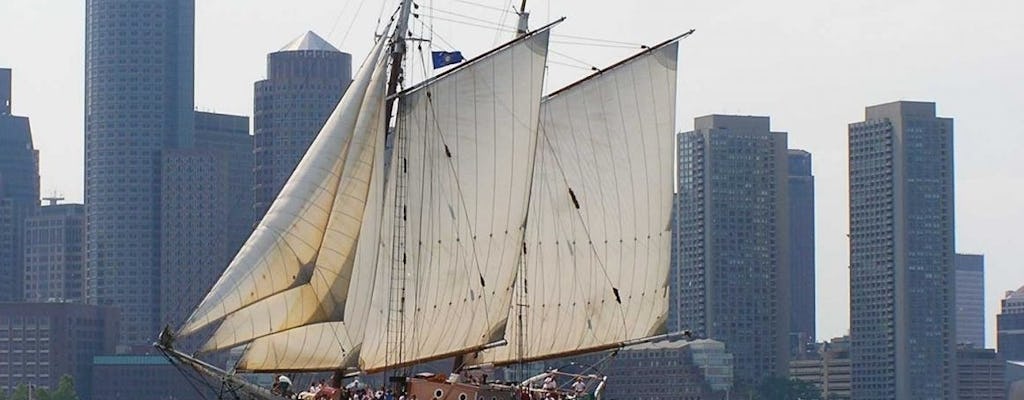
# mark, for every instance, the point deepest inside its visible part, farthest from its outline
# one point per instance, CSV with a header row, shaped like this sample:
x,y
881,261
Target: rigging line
x,y
569,65
574,59
596,39
480,5
187,376
341,11
495,27
433,33
471,18
610,46
355,16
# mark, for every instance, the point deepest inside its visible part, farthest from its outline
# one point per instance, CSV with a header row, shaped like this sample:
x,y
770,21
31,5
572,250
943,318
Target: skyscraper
x,y
902,323
801,250
138,103
970,299
305,81
19,190
206,211
1010,326
733,242
54,253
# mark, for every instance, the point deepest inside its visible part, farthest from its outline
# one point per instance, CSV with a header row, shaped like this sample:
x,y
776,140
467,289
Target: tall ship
x,y
469,216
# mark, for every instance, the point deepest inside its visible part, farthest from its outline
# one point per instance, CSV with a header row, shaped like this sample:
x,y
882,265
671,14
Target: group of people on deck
x,y
321,390
549,390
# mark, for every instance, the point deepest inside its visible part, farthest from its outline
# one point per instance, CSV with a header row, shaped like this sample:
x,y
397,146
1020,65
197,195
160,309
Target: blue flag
x,y
443,58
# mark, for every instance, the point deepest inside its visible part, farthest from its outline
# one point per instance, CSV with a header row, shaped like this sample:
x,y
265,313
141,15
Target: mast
x,y
524,20
398,50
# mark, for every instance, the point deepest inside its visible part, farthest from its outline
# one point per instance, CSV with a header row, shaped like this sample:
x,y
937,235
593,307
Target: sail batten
x,y
597,240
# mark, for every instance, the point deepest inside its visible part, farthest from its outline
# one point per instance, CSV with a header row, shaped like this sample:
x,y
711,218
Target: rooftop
x,y
309,41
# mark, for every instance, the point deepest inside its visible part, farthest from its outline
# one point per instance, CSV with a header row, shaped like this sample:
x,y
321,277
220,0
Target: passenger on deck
x,y
579,387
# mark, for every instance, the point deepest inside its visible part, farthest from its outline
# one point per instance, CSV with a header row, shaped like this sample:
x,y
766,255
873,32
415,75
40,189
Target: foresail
x,y
295,268
598,236
464,152
334,344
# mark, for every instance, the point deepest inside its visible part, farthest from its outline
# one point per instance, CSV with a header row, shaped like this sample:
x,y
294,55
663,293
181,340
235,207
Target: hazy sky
x,y
812,66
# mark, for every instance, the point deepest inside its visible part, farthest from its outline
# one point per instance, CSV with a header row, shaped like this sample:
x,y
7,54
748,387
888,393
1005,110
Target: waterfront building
x,y
1010,326
54,253
970,299
138,103
801,251
902,318
981,374
206,211
732,235
305,81
19,190
40,342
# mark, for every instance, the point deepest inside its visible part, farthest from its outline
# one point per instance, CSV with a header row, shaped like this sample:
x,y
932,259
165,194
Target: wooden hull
x,y
428,389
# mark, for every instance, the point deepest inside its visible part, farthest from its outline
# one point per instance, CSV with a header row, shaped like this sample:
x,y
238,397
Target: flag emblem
x,y
444,58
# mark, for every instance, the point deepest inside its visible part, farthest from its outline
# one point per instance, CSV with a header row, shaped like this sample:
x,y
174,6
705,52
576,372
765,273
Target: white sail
x,y
295,268
464,160
598,235
334,344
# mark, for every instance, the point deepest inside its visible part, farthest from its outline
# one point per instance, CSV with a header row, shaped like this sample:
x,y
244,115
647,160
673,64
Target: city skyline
x,y
979,87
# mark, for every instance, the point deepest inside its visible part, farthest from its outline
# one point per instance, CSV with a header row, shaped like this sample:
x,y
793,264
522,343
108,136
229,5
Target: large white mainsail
x,y
598,235
463,156
296,267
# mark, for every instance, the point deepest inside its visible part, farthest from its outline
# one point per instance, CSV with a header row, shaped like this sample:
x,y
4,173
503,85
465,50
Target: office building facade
x,y
54,254
206,211
981,374
1010,326
19,190
801,251
305,81
902,288
138,103
970,299
733,242
40,342
828,369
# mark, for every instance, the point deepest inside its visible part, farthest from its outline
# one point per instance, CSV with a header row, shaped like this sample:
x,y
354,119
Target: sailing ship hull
x,y
438,389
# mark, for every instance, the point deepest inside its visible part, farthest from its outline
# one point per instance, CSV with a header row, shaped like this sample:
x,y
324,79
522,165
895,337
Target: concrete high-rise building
x,y
970,299
981,374
19,191
206,211
40,342
801,251
678,369
305,81
828,369
1010,326
54,253
902,318
733,242
138,103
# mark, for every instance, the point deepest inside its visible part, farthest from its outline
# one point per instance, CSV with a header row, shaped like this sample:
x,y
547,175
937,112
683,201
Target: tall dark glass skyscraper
x,y
970,299
801,250
732,243
138,103
902,310
305,81
19,191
